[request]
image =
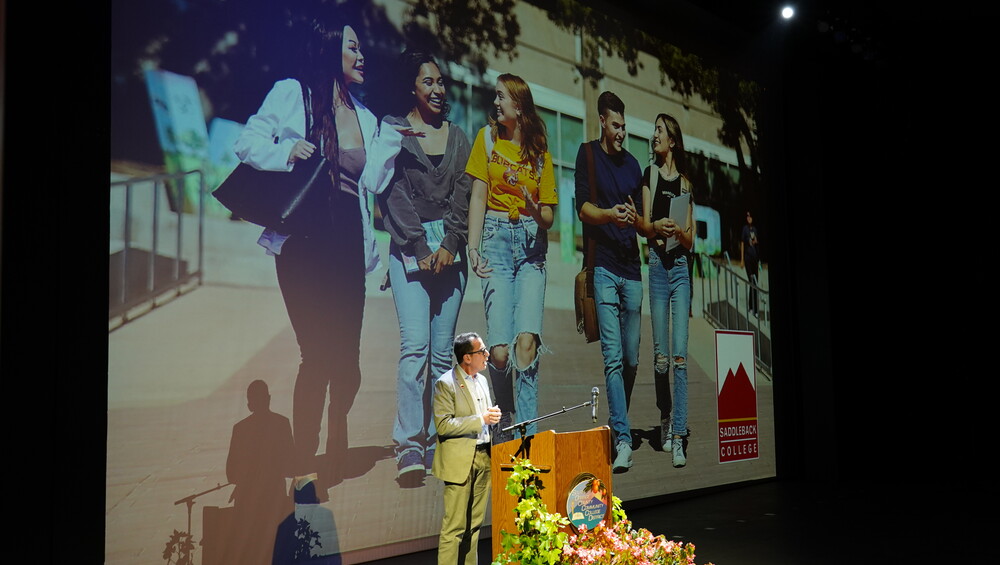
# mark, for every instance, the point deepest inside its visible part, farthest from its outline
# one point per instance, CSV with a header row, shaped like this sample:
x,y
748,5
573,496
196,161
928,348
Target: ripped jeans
x,y
514,296
670,306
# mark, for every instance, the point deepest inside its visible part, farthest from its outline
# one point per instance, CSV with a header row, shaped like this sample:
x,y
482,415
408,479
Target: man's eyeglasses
x,y
483,351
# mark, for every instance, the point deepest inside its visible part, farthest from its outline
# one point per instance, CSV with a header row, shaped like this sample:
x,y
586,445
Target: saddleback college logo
x,y
737,396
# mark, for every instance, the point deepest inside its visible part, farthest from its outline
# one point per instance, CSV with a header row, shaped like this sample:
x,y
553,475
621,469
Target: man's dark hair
x,y
463,344
609,101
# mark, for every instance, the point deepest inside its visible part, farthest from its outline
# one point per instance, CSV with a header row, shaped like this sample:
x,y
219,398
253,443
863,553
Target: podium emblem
x,y
587,502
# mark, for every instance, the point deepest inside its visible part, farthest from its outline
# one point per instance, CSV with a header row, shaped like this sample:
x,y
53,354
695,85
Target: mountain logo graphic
x,y
738,398
737,404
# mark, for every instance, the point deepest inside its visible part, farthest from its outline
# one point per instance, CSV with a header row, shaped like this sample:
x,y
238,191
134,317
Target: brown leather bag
x,y
586,305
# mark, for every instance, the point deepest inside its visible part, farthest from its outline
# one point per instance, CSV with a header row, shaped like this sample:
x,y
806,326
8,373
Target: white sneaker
x,y
623,461
678,448
666,431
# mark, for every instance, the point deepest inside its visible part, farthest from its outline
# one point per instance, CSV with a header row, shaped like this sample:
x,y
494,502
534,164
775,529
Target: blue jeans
x,y
619,306
670,306
427,307
514,296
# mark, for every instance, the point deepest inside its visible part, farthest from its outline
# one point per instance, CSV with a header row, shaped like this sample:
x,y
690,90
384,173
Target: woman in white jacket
x,y
321,271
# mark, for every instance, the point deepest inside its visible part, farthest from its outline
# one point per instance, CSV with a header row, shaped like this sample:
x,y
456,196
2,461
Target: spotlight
x,y
787,12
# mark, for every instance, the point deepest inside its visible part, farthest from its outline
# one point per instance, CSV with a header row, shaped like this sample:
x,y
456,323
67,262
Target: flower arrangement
x,y
620,544
540,541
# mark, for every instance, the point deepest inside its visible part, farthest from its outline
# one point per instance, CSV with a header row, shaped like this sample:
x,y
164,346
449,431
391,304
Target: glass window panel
x,y
481,108
565,177
568,224
572,137
639,148
458,99
551,120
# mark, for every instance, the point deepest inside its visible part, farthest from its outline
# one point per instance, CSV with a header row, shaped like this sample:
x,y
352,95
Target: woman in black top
x,y
671,237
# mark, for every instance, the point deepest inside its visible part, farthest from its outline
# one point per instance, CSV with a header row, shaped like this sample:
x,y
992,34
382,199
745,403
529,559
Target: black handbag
x,y
284,201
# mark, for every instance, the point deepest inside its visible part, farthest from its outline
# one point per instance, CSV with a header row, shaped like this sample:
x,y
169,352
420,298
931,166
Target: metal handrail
x,y
726,306
122,306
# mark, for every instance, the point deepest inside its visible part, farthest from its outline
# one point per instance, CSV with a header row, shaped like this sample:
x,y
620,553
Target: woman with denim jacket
x,y
510,212
426,213
670,242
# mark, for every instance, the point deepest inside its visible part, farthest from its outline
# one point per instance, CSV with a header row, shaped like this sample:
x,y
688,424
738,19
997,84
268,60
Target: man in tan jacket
x,y
463,414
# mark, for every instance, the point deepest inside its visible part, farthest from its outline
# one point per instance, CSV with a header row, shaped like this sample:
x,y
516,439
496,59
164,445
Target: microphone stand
x,y
189,500
525,448
177,540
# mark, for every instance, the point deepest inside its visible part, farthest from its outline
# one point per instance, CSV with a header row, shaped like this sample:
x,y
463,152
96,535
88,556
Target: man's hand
x,y
623,215
630,209
492,415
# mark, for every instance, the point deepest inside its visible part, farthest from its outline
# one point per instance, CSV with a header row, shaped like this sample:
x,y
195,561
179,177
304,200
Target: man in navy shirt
x,y
609,219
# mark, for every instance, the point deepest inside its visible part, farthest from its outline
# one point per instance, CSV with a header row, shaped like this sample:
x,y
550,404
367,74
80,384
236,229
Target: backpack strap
x,y
592,180
488,139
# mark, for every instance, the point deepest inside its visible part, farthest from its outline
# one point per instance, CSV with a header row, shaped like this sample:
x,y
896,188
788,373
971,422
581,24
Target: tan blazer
x,y
458,425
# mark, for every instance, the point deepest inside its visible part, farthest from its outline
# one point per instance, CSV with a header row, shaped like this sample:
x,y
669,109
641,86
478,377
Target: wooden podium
x,y
561,457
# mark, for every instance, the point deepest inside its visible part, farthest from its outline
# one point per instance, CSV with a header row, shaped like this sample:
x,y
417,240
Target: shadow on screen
x,y
359,461
259,460
650,436
309,534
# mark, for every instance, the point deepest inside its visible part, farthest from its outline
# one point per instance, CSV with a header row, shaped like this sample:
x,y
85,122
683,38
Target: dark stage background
x,y
881,395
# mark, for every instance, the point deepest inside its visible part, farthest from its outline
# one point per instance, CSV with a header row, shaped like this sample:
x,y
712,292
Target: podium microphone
x,y
593,403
